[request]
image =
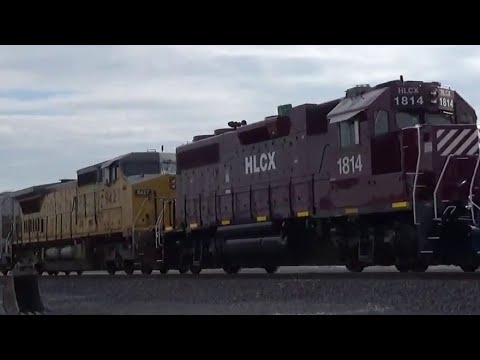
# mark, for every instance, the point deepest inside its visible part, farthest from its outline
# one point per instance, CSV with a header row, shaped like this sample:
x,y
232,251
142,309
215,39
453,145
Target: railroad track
x,y
302,273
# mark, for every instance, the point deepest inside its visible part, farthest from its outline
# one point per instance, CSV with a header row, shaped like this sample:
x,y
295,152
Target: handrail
x,y
417,170
135,221
158,225
438,186
470,195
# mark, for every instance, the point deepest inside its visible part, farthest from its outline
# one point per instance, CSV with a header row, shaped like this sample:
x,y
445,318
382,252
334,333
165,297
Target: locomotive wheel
x,y
469,268
67,273
79,272
5,272
128,268
271,269
163,269
402,267
111,268
232,269
53,273
183,269
196,269
146,270
420,267
353,265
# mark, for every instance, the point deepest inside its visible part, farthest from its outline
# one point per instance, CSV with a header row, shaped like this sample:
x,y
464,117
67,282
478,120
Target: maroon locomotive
x,y
386,175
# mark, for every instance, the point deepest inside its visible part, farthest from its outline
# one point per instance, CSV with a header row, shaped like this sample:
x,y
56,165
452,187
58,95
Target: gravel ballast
x,y
275,295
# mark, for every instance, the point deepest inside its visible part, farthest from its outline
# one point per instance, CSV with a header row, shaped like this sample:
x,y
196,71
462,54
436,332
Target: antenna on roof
x,y
401,78
162,148
237,124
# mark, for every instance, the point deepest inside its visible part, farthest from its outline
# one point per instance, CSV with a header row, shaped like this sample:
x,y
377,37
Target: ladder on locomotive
x,y
160,224
425,223
471,204
450,209
159,239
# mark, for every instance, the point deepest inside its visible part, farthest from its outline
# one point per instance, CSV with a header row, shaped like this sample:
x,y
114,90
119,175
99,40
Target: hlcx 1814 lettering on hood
x,y
260,163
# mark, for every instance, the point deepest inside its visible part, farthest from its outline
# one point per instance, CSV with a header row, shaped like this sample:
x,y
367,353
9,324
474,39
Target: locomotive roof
x,y
133,156
33,191
349,107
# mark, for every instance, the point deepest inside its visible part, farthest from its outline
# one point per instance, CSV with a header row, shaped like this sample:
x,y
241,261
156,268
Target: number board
x,y
408,96
350,165
143,192
446,100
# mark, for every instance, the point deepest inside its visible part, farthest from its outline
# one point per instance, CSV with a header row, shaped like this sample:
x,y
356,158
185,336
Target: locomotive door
x,y
410,150
349,165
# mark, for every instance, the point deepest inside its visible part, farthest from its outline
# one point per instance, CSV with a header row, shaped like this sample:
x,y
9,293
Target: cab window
x,y
139,168
404,120
381,122
437,119
466,119
349,133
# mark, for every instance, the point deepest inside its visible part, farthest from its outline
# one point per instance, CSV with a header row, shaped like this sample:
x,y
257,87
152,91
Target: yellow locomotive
x,y
107,218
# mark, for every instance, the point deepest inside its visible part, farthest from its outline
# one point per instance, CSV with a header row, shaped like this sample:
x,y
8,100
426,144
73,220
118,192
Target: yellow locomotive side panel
x,y
111,206
90,220
84,213
48,212
47,216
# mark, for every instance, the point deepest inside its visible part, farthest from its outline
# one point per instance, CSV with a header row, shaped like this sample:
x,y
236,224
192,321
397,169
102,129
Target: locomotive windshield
x,y
407,119
169,167
437,119
140,168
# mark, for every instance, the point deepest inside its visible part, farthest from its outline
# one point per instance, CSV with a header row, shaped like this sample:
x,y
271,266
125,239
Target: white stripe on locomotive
x,y
455,142
445,139
448,143
467,143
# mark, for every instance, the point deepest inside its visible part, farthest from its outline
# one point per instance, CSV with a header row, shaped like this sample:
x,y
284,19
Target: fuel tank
x,y
258,246
69,252
252,243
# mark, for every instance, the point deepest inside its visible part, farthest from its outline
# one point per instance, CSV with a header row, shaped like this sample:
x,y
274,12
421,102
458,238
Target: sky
x,y
66,107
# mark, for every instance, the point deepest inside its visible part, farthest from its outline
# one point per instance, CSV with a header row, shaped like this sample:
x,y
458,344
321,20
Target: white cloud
x,y
65,107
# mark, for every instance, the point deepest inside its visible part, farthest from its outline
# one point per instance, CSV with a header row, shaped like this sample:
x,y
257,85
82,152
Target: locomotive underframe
x,y
112,253
356,241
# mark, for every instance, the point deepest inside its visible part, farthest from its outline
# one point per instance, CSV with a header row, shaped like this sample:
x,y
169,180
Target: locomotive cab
x,y
410,147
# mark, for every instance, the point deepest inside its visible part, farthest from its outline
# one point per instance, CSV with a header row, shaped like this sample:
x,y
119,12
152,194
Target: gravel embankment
x,y
261,295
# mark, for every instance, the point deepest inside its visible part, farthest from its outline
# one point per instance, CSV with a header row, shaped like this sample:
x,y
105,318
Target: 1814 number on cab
x,y
350,164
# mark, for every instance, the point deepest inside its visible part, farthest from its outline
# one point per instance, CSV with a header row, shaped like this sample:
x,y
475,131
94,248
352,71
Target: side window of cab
x,y
381,123
349,133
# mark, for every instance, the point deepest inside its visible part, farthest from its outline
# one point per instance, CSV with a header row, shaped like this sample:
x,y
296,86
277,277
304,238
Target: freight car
x,y
104,219
386,175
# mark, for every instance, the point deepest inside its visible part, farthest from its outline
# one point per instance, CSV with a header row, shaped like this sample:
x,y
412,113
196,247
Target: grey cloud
x,y
108,100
